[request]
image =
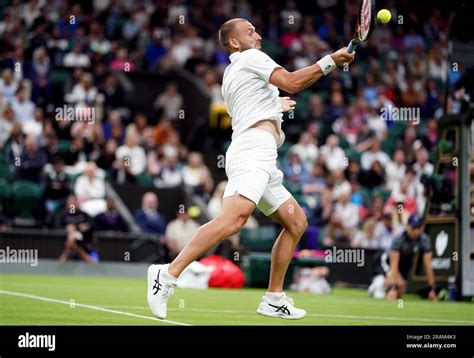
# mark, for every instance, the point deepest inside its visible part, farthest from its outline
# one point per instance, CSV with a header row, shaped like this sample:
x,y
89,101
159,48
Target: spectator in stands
x,y
357,197
24,109
100,44
196,175
142,130
107,158
113,93
110,220
306,149
352,172
6,125
121,62
431,135
336,106
32,160
401,203
213,88
171,174
414,189
57,186
386,230
76,58
322,212
422,166
130,158
407,143
344,220
148,218
317,110
347,126
437,66
113,127
179,231
14,147
90,191
155,50
215,203
365,238
84,91
314,183
294,170
75,154
373,177
8,85
78,226
365,136
396,169
41,71
374,154
170,102
163,131
35,127
332,155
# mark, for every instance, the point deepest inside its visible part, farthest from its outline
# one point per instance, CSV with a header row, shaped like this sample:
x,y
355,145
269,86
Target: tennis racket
x,y
365,24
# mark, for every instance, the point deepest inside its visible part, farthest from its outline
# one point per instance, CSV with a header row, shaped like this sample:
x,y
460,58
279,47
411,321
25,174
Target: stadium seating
x,y
26,197
6,173
258,239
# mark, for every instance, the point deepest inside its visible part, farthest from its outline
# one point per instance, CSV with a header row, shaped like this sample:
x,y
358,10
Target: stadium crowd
x,y
356,172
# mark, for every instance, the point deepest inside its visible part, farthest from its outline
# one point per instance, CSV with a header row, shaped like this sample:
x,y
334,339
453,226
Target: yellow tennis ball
x,y
384,16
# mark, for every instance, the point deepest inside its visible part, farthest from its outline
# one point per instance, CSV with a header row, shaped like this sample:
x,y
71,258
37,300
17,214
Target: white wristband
x,y
327,64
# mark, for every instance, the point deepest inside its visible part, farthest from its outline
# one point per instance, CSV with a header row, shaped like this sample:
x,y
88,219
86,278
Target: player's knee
x,y
298,226
237,225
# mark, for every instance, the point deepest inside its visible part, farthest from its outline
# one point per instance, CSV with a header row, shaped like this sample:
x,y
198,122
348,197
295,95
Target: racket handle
x,y
351,47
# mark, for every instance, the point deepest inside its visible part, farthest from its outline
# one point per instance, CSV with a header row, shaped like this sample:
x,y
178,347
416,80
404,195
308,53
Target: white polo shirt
x,y
248,95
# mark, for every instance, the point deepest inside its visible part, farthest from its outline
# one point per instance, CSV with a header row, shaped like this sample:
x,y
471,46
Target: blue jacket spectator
x,y
32,161
148,218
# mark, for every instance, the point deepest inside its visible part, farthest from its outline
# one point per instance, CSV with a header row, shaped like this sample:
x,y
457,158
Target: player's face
x,y
247,36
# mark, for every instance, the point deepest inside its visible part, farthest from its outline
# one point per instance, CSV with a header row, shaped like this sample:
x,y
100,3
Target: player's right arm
x,y
294,82
393,274
394,261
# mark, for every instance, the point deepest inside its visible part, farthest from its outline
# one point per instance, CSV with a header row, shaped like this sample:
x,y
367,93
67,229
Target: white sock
x,y
274,296
167,276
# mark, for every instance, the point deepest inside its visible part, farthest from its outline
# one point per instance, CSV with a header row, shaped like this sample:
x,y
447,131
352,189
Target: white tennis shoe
x,y
160,289
284,308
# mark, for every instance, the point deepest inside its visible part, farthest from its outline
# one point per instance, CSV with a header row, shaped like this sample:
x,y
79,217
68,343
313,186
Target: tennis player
x,y
250,89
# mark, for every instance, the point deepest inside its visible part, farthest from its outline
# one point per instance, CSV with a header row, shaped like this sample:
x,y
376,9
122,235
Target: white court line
x,y
46,299
403,319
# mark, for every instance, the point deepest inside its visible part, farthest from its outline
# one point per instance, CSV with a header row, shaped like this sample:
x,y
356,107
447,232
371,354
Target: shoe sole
x,y
279,315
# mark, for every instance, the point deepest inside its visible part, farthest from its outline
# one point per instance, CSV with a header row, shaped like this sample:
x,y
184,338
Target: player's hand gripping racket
x,y
365,23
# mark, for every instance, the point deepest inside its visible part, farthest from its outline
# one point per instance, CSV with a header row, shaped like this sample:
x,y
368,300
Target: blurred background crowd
x,y
356,172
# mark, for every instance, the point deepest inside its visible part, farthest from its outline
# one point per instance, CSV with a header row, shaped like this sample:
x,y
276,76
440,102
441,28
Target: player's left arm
x,y
430,278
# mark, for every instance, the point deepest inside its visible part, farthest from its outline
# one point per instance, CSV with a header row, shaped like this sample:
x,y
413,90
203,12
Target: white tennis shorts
x,y
252,171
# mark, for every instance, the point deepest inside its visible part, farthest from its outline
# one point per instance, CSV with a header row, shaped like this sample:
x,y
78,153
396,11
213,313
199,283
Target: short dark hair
x,y
226,29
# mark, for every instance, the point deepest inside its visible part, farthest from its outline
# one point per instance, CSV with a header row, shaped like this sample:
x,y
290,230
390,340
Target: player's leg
x,y
235,213
278,203
293,220
236,209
